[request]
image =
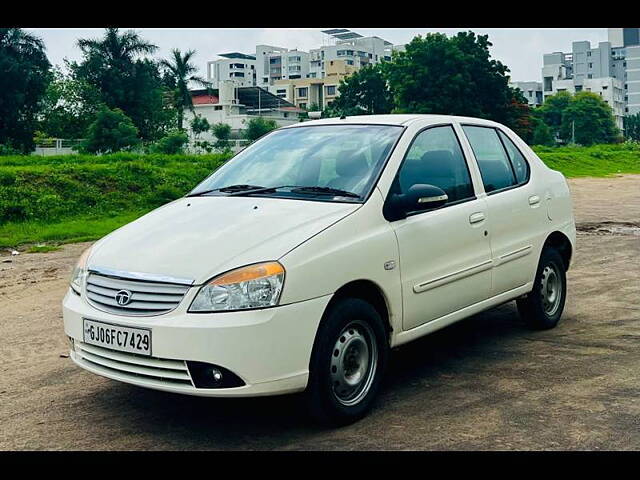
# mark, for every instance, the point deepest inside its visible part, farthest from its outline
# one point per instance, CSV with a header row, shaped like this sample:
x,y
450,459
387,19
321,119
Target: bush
x,y
111,131
258,126
172,144
222,132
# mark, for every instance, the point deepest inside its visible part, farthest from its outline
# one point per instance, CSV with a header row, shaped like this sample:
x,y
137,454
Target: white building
x,y
237,67
277,63
532,91
236,105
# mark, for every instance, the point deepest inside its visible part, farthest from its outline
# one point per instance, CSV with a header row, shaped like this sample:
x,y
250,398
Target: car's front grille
x,y
142,297
132,366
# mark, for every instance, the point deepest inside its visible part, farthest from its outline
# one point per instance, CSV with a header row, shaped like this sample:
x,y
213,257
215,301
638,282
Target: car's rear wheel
x,y
542,307
348,359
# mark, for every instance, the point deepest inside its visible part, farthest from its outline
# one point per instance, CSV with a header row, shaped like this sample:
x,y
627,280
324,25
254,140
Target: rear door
x,y
514,204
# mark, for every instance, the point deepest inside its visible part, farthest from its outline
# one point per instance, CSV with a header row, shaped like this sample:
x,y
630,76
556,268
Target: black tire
x,y
322,395
535,309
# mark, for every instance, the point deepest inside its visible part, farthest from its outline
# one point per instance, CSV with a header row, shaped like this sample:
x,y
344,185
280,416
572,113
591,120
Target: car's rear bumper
x,y
268,349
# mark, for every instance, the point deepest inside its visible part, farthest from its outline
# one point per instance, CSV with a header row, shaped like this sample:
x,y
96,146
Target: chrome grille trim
x,y
147,298
170,372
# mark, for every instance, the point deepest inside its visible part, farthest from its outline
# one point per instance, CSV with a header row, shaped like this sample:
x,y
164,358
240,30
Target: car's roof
x,y
394,119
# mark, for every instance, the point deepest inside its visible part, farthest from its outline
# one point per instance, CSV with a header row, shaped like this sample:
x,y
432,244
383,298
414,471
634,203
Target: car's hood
x,y
200,237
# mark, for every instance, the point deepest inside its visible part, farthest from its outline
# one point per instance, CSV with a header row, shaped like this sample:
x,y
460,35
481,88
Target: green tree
x,y
542,134
115,67
552,110
199,125
632,127
111,131
590,119
69,106
172,144
363,92
24,77
257,127
454,76
181,71
222,132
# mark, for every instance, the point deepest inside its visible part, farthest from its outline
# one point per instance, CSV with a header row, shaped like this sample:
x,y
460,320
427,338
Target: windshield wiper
x,y
229,188
325,191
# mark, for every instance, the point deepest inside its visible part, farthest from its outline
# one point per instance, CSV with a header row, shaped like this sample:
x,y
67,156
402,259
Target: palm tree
x,y
115,47
181,71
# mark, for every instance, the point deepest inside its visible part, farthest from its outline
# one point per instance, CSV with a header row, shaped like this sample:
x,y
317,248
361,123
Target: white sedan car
x,y
299,264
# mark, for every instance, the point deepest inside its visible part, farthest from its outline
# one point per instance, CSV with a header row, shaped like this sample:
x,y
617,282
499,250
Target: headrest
x,y
351,164
439,163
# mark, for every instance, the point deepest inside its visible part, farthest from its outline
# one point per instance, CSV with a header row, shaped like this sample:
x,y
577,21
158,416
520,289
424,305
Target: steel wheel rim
x,y
551,289
354,361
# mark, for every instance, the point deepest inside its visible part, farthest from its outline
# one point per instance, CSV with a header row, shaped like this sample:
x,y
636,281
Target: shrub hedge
x,y
50,188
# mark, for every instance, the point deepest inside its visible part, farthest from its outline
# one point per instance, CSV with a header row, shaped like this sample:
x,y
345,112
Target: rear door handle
x,y
476,217
534,200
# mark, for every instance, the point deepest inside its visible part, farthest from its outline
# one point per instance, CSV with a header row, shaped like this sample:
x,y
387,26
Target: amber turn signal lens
x,y
251,272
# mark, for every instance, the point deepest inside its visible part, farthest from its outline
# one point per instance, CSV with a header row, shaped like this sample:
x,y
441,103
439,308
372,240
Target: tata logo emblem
x,y
123,297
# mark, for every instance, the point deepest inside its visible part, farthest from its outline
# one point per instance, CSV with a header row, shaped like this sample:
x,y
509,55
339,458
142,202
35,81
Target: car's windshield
x,y
325,160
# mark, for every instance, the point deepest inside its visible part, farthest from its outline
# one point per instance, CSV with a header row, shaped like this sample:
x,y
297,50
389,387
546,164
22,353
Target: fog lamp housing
x,y
208,375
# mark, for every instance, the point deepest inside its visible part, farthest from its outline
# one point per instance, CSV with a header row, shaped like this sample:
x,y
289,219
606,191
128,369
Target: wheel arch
x,y
562,244
370,292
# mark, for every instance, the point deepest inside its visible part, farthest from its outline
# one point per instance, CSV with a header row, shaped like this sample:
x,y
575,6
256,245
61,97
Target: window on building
x,y
495,167
435,158
217,107
331,90
548,84
302,105
590,65
589,75
303,92
349,62
578,88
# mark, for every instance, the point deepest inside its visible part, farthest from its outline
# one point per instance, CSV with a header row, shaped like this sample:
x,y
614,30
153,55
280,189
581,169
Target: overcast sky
x,y
520,49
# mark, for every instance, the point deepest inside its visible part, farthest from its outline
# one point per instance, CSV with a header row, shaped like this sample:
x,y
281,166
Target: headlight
x,y
253,286
79,272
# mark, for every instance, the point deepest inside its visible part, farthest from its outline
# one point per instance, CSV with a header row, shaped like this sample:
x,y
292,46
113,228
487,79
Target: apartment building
x,y
237,67
303,78
307,92
612,70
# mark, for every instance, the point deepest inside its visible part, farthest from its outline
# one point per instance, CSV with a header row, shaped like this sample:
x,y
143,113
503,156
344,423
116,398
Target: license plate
x,y
117,337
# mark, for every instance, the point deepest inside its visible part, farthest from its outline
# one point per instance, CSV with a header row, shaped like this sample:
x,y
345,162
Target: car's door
x,y
445,257
516,207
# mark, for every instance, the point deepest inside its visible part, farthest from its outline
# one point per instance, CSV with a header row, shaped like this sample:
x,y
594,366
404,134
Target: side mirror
x,y
419,197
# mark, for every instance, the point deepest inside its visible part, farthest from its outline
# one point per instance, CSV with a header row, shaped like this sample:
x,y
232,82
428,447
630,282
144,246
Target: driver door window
x,y
435,158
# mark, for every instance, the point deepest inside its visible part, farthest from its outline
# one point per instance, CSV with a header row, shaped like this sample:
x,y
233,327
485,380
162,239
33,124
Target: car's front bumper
x,y
268,349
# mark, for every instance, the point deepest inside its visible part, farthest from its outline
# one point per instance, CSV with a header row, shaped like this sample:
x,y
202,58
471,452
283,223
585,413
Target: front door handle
x,y
476,217
534,200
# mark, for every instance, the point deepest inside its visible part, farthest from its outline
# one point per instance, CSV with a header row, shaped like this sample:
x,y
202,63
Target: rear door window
x,y
495,166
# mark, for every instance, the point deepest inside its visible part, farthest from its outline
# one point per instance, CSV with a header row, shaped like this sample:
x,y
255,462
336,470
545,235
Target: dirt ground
x,y
486,383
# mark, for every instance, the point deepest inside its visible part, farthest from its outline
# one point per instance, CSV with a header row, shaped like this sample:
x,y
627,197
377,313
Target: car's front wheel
x,y
542,307
349,356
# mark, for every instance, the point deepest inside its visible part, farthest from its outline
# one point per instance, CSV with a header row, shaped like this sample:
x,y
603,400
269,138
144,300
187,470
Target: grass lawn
x,y
64,231
47,201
